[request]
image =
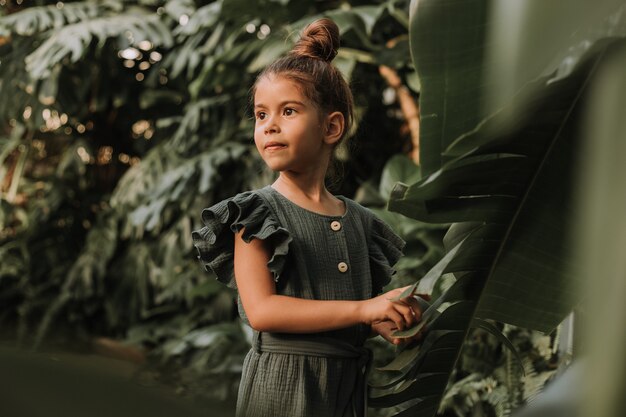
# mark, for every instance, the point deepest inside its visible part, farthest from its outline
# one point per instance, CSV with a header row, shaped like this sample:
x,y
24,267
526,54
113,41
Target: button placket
x,y
342,265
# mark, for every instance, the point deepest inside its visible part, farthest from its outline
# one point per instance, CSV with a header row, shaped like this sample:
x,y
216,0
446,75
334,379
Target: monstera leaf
x,y
504,176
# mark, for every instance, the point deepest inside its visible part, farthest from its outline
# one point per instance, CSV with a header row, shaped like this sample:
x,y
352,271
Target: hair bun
x,y
319,40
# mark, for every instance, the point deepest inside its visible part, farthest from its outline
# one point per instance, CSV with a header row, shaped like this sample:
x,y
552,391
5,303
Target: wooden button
x,y
335,225
342,267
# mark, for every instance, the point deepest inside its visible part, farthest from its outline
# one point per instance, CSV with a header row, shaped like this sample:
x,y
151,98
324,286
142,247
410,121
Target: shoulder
x,y
241,199
245,211
366,215
247,195
241,210
377,228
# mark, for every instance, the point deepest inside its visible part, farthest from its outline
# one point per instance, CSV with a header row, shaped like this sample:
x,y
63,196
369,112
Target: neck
x,y
309,192
309,187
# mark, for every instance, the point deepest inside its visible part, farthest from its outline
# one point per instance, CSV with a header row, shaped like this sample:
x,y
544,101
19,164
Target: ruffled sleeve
x,y
385,248
216,240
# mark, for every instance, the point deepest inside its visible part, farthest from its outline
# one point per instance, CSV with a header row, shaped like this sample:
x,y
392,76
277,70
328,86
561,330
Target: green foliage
x,y
105,165
423,247
72,41
121,120
487,380
457,27
423,241
503,175
600,236
35,20
594,384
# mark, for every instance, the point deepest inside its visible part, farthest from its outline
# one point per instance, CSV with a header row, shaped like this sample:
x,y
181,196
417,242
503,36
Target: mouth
x,y
274,146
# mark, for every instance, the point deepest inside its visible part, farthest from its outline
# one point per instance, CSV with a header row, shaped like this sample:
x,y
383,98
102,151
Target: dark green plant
x,y
501,168
487,379
423,241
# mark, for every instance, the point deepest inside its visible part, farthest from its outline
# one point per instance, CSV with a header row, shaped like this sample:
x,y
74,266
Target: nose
x,y
271,126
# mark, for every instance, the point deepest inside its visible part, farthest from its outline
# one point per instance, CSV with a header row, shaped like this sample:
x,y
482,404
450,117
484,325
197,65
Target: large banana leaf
x,y
593,386
437,29
601,237
504,177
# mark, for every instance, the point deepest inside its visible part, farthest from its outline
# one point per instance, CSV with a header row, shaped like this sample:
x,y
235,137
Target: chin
x,y
275,166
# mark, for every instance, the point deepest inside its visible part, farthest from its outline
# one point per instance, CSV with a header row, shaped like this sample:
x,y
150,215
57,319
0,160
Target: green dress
x,y
315,256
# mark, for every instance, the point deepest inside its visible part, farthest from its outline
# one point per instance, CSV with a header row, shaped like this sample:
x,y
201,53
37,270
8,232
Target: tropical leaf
x,y
489,327
509,181
600,236
522,239
9,144
399,168
74,40
176,8
423,240
505,183
457,27
511,250
33,20
470,394
425,284
174,184
86,274
535,46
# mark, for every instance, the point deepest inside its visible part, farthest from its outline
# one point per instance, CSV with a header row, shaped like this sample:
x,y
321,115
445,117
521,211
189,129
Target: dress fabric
x,y
315,256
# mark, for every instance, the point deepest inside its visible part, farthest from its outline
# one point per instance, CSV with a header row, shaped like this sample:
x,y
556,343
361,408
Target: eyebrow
x,y
281,104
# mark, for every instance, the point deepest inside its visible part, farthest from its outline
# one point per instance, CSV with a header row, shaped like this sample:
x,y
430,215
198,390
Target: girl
x,y
308,266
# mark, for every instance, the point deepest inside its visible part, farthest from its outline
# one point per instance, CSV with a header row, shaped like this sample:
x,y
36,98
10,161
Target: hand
x,y
386,329
403,313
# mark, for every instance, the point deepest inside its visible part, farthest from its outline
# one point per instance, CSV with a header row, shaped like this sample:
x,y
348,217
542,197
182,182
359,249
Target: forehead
x,y
275,88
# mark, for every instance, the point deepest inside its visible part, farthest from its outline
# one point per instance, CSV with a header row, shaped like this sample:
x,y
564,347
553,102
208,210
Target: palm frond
x,y
73,41
174,184
502,185
86,273
467,396
33,20
203,18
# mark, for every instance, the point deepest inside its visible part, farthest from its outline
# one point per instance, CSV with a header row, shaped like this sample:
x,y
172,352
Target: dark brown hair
x,y
309,65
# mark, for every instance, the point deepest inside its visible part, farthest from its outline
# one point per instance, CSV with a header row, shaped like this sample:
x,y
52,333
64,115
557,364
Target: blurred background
x,y
119,121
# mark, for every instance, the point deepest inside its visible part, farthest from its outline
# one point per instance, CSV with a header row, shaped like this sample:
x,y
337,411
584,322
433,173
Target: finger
x,y
397,319
408,302
416,308
398,291
395,293
407,313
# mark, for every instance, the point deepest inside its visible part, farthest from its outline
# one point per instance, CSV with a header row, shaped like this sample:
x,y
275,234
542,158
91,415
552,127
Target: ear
x,y
333,127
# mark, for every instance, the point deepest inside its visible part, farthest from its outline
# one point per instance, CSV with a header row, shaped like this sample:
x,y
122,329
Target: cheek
x,y
258,139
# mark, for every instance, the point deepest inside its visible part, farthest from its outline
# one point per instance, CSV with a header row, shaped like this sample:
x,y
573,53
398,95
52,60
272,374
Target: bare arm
x,y
271,312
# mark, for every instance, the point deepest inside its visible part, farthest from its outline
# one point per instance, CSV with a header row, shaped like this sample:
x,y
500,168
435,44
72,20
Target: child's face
x,y
288,127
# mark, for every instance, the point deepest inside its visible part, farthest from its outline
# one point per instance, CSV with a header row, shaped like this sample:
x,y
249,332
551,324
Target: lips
x,y
274,146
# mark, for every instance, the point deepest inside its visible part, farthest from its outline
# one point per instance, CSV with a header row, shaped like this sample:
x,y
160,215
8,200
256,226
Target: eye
x,y
288,111
260,115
